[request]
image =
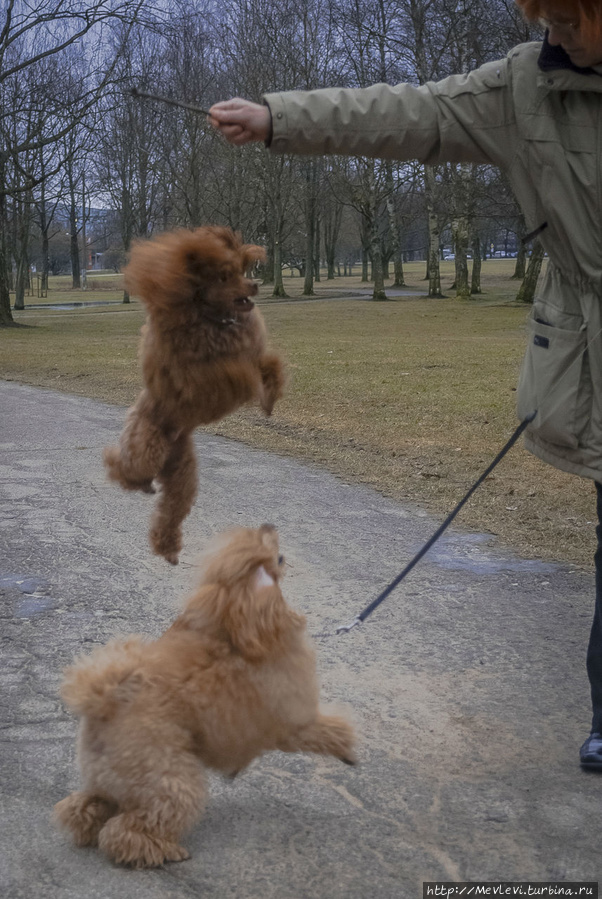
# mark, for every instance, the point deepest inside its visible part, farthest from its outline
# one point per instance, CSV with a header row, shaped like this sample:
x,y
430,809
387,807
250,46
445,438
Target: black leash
x,y
533,234
345,628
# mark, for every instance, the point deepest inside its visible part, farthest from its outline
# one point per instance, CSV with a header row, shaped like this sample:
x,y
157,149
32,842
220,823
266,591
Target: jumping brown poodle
x,y
233,677
203,353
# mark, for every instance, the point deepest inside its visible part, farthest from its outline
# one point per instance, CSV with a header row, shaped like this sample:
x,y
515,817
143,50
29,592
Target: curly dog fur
x,y
203,353
233,677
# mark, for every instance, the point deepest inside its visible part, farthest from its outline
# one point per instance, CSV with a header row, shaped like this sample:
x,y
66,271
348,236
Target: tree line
x,y
73,136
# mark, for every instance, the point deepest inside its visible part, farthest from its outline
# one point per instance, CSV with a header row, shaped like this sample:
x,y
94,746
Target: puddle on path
x,y
24,583
461,552
36,592
74,305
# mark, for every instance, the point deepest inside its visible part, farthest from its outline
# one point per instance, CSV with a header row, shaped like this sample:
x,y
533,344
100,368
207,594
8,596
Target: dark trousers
x,y
594,650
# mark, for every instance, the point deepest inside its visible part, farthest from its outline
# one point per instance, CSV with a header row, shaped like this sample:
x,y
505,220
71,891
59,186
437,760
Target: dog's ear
x,y
250,255
162,269
258,620
198,265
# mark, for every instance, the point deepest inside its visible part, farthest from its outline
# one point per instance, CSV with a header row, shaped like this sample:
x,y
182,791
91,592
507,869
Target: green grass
x,y
412,396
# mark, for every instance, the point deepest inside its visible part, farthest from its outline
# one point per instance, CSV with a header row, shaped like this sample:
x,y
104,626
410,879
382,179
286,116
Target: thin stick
x,y
143,95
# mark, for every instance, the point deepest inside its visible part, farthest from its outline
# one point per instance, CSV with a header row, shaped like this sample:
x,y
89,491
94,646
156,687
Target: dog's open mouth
x,y
245,304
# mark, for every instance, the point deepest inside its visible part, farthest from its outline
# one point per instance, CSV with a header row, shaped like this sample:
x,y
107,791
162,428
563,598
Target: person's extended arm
x,y
462,118
465,118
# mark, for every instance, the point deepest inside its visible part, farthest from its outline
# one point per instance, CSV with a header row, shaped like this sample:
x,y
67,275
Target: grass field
x,y
412,396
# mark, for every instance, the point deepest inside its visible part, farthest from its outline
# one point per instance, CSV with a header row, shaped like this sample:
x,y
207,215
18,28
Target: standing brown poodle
x,y
203,352
233,677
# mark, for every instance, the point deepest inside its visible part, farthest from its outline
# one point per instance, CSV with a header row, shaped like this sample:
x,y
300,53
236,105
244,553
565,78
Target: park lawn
x,y
108,286
412,396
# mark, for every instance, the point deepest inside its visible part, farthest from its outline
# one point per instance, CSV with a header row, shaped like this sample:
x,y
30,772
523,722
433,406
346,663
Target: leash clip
x,y
345,628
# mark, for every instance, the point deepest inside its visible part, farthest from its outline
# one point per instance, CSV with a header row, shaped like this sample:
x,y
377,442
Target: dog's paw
x,y
137,848
166,545
83,814
267,405
175,853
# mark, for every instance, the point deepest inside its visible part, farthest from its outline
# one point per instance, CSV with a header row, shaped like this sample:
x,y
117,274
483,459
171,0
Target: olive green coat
x,y
544,129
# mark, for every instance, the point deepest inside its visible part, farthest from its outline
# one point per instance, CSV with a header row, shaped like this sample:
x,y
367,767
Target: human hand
x,y
241,121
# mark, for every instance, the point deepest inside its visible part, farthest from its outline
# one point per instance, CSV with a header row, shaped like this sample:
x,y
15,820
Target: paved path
x,y
467,686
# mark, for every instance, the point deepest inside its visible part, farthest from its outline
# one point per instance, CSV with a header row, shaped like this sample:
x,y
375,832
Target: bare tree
x,y
30,35
526,291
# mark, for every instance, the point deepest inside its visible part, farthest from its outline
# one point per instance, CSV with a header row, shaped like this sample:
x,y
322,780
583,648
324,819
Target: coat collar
x,y
553,58
556,71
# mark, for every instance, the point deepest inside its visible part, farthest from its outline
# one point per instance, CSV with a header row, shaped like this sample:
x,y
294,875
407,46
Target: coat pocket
x,y
550,382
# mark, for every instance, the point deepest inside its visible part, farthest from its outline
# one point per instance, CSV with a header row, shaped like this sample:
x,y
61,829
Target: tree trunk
x,y
398,269
45,261
73,243
273,173
279,290
376,254
268,228
127,227
434,272
23,215
460,238
526,291
433,267
74,249
6,318
317,242
332,227
475,286
308,283
44,229
310,231
330,263
521,262
365,273
268,267
463,182
21,282
395,233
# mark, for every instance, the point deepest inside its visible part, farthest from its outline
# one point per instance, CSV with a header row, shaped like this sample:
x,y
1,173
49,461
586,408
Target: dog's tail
x,y
98,683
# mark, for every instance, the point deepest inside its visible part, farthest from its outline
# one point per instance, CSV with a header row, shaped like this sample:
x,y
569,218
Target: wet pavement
x,y
467,686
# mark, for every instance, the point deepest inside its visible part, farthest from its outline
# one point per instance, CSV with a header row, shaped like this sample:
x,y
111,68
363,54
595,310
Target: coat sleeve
x,y
464,118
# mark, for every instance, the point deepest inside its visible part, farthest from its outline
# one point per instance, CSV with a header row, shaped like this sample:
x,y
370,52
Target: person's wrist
x,y
268,139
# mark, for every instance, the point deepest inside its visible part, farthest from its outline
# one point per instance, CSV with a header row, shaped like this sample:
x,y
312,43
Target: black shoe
x,y
590,753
